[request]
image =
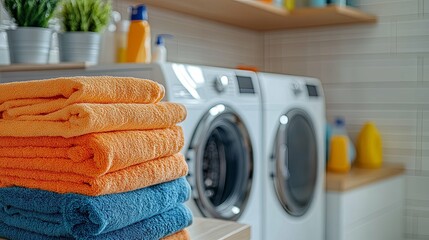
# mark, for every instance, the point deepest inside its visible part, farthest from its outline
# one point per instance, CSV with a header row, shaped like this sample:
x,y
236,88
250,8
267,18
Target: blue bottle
x,y
318,3
342,2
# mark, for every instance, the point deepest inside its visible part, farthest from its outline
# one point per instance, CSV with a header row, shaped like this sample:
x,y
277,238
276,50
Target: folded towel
x,y
131,178
153,228
46,96
180,235
91,154
54,214
83,118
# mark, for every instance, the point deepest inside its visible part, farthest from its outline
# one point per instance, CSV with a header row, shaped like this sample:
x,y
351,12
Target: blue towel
x,y
153,228
57,215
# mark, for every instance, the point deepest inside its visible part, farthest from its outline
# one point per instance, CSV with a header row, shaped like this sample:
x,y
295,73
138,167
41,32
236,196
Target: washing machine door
x,y
220,160
294,162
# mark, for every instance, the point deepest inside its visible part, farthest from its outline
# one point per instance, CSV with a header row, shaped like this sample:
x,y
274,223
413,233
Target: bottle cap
x,y
139,12
339,122
160,40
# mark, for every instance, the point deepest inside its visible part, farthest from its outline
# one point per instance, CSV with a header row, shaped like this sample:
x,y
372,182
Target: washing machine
x,y
293,156
222,132
222,139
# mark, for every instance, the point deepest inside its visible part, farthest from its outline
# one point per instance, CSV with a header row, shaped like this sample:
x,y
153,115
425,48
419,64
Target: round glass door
x,y
223,164
295,162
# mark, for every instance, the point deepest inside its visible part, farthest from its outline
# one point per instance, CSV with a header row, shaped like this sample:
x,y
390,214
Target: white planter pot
x,y
29,45
79,47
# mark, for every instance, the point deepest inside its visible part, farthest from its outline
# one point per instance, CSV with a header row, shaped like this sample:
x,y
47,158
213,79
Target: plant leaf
x,y
31,13
85,15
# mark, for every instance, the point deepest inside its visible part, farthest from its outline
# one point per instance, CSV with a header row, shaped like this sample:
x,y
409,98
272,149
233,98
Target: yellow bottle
x,y
338,155
289,4
369,147
139,41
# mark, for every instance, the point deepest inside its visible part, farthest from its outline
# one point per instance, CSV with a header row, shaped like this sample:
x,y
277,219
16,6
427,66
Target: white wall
x,y
374,72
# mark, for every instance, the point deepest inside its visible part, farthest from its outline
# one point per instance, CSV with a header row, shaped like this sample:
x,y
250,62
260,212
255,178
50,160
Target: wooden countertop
x,y
358,177
212,229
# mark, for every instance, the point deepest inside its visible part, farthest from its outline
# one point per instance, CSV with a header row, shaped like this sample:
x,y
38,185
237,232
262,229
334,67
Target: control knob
x,y
220,84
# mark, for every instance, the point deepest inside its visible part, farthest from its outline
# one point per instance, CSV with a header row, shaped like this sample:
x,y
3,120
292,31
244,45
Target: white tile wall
x,y
425,69
362,69
425,6
391,7
422,228
425,145
374,72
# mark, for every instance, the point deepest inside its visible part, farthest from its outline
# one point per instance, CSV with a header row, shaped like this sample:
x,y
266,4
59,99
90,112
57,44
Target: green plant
x,y
85,15
31,13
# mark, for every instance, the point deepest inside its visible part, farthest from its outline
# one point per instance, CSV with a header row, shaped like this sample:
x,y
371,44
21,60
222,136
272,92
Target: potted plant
x,y
82,21
30,42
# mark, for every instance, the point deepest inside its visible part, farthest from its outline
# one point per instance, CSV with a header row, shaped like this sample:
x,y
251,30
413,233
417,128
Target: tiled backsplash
x,y
374,72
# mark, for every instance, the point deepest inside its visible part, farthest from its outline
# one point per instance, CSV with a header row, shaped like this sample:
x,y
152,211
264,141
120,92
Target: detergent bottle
x,y
369,147
340,149
289,4
339,154
139,40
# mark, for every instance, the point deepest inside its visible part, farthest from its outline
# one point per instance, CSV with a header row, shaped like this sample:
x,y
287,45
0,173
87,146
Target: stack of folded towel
x,y
91,158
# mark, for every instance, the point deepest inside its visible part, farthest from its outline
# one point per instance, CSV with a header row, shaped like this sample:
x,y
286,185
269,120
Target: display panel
x,y
245,84
312,91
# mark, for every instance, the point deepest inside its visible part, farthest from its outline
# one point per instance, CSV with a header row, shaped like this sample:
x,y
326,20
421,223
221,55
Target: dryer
x,y
293,156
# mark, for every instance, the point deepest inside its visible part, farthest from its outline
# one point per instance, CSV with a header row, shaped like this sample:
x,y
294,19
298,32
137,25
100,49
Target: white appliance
x,y
222,137
223,140
222,133
293,156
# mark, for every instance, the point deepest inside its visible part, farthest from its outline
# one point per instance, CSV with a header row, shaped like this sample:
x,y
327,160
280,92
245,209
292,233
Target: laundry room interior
x,y
288,119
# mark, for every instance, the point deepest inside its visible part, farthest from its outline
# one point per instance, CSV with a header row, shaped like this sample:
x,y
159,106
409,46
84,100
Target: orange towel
x,y
181,235
46,96
135,177
91,154
79,119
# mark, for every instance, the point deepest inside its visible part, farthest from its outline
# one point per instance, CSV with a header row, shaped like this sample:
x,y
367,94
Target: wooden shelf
x,y
261,16
41,67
